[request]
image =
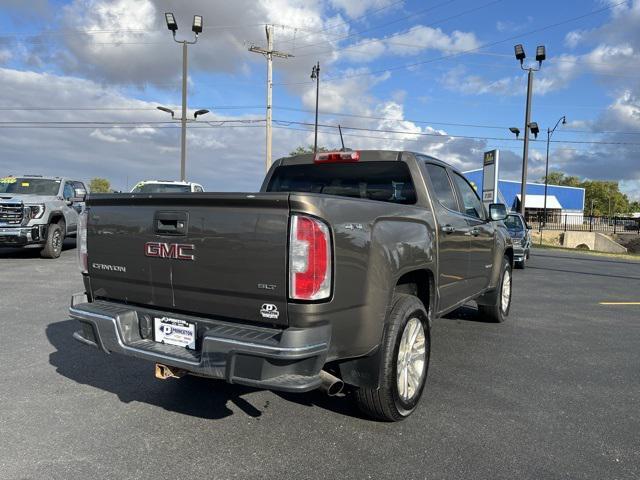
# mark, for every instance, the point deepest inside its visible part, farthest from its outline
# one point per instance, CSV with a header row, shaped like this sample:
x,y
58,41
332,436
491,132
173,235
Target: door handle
x,y
448,229
171,223
474,231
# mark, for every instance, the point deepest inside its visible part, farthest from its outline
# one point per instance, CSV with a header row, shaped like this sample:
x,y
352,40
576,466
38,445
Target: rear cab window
x,y
442,187
385,181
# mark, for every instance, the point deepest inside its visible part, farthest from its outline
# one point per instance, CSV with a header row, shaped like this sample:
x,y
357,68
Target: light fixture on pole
x,y
167,110
520,55
315,75
515,131
199,113
562,119
196,28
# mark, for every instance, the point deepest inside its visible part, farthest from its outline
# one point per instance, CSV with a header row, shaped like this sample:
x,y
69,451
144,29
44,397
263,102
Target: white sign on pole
x,y
490,166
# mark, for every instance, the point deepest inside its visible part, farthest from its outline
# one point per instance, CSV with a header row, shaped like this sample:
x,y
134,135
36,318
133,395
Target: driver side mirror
x,y
79,195
497,211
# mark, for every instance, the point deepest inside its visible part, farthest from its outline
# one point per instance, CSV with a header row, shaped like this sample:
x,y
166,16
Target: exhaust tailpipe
x,y
165,371
331,384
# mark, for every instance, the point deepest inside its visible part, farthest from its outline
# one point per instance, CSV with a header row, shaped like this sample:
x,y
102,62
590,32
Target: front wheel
x,y
405,361
55,239
498,311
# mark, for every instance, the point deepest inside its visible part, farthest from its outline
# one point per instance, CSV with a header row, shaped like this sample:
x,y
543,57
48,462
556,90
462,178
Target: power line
x,y
464,52
377,137
469,137
343,22
292,109
397,34
377,27
145,31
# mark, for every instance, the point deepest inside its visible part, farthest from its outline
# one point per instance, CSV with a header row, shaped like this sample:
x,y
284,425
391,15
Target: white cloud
x,y
106,137
5,55
357,8
572,39
428,38
414,41
133,45
221,158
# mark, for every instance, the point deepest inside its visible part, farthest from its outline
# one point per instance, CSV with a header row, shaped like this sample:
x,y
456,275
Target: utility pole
x,y
315,75
550,131
541,55
269,53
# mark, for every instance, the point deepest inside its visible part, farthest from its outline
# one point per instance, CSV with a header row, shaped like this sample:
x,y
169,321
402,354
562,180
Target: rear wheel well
x,y
417,283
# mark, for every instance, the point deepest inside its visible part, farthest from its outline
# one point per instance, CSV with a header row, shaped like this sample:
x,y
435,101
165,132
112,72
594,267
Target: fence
x,y
586,223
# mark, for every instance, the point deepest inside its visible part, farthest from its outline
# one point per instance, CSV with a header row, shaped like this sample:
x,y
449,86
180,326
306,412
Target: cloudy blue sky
x,y
441,72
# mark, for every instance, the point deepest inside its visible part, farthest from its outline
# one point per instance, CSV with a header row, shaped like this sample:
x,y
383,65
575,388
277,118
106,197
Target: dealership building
x,y
561,201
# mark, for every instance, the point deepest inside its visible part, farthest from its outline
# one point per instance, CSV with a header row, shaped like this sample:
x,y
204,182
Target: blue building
x,y
561,200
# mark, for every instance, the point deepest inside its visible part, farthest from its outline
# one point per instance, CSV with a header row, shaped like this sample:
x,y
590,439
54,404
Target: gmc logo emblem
x,y
177,251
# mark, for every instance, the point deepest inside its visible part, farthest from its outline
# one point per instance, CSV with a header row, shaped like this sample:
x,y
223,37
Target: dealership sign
x,y
490,167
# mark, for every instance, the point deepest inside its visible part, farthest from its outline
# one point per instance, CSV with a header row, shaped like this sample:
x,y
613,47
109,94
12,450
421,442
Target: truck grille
x,y
11,213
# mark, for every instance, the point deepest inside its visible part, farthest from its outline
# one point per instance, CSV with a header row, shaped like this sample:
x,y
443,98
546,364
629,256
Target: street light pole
x,y
562,119
525,148
540,57
183,143
197,29
315,74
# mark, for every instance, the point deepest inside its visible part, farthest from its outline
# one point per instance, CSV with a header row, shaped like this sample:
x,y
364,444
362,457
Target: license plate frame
x,y
174,331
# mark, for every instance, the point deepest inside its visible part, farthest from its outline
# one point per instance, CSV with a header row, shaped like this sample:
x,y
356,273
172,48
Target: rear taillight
x,y
81,242
309,259
337,157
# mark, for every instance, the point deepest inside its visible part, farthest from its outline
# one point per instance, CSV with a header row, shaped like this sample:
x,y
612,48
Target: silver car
x,y
520,234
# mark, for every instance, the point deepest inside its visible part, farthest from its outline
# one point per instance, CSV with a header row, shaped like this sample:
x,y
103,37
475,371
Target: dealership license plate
x,y
175,332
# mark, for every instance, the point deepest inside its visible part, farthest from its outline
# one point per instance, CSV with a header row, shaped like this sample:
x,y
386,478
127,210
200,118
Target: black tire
x,y
386,403
521,264
497,312
55,239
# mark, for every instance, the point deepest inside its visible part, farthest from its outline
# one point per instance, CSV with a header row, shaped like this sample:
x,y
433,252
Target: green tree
x,y
309,149
99,185
559,178
606,195
634,207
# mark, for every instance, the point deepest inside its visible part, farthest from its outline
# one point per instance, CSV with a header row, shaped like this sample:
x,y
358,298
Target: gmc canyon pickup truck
x,y
331,275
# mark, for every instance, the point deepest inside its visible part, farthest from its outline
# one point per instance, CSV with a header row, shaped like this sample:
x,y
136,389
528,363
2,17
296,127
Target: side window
x,y
68,192
442,186
198,188
472,204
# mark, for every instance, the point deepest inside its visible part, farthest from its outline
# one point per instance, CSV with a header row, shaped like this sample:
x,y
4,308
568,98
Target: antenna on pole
x,y
269,53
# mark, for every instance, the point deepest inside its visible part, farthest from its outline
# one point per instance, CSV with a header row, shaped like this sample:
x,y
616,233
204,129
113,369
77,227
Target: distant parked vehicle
x,y
39,211
520,234
633,225
166,186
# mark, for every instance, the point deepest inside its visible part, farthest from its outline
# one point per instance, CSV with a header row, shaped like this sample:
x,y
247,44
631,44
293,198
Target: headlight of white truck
x,y
35,211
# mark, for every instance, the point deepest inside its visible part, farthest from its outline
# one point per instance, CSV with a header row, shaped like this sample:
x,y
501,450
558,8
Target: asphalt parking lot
x,y
553,393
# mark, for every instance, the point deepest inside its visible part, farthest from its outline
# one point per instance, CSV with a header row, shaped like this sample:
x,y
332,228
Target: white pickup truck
x,y
166,186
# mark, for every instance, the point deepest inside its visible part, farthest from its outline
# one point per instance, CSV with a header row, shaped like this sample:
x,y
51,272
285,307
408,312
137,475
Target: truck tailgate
x,y
209,254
